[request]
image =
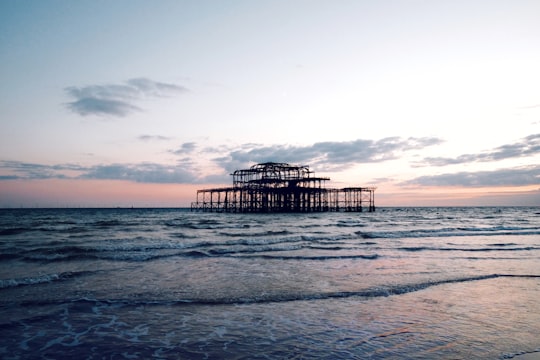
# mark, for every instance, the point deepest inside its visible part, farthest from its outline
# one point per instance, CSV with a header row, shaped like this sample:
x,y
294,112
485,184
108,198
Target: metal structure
x,y
280,187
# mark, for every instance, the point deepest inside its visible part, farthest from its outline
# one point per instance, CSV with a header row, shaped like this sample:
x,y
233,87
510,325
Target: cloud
x,y
95,106
329,155
22,170
520,176
117,99
528,146
9,177
326,155
143,172
185,148
150,88
153,138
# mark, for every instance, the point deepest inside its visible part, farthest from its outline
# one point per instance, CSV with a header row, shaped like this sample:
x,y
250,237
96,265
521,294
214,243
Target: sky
x,y
141,103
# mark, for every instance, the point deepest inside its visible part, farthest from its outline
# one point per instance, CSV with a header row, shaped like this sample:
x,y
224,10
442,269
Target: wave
x,y
108,223
56,228
41,279
272,244
370,293
180,235
241,248
428,248
13,231
8,256
63,226
202,224
502,244
449,232
519,355
255,234
319,257
349,223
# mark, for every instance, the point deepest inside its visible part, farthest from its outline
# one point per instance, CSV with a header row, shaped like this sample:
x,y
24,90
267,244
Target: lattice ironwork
x,y
280,187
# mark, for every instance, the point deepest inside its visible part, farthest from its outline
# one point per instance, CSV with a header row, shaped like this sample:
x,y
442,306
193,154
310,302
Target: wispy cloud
x,y
143,172
330,155
23,170
527,146
147,137
117,99
520,176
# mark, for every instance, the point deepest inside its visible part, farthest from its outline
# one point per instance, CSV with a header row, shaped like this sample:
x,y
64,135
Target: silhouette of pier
x,y
279,187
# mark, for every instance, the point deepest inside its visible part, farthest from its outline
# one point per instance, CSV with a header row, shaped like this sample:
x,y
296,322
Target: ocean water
x,y
415,283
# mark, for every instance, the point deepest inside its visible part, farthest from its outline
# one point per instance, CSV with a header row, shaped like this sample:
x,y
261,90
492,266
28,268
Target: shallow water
x,y
166,283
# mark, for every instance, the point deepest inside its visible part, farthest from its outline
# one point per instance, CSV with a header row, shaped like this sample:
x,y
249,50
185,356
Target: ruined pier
x,y
280,187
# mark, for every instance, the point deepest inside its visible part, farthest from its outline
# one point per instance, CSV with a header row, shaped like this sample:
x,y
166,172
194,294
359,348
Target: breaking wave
x,y
41,279
370,293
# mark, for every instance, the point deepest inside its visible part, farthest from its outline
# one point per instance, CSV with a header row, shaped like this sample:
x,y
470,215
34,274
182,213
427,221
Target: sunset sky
x,y
120,103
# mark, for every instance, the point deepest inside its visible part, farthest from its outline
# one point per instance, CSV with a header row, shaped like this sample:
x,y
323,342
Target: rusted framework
x,y
280,187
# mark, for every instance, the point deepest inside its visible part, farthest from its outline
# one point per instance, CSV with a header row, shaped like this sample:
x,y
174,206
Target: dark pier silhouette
x,y
280,187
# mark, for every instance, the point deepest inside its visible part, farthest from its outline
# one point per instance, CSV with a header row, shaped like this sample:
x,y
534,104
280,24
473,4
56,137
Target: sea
x,y
398,283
